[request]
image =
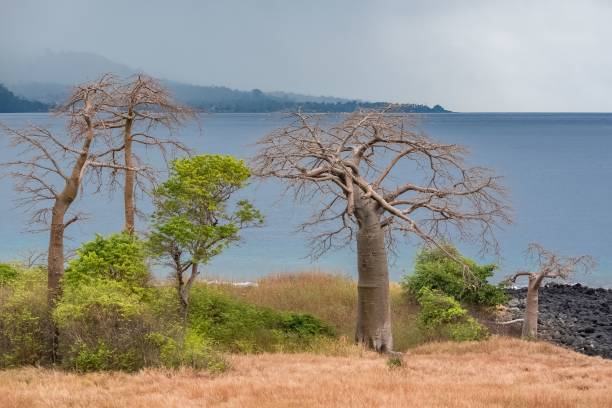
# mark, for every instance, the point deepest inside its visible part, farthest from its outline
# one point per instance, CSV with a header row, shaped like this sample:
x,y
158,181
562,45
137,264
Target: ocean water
x,y
556,166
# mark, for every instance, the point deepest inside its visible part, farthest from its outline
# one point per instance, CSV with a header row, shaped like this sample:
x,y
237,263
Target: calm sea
x,y
557,167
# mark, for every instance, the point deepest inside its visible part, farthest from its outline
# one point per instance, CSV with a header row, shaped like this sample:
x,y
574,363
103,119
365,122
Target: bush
x,y
8,273
442,316
24,321
104,326
467,330
394,362
236,326
193,350
433,269
104,314
119,257
438,309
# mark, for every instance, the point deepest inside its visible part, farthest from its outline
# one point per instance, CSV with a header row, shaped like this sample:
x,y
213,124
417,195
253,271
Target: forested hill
x,y
222,99
9,103
212,99
49,78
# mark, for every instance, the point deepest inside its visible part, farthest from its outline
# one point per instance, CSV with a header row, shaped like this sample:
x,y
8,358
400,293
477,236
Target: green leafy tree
x,y
120,257
192,222
434,269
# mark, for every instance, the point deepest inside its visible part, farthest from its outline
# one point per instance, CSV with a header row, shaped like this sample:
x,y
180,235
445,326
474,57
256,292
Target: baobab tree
x,y
550,266
378,178
51,170
138,108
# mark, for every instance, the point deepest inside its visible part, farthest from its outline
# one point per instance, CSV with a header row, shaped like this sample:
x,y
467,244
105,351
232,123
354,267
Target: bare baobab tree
x,y
377,177
51,170
137,108
550,266
96,111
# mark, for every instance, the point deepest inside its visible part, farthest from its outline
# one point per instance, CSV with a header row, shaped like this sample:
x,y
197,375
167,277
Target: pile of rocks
x,y
575,316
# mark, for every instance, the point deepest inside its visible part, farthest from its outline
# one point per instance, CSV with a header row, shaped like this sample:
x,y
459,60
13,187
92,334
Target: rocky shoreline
x,y
575,316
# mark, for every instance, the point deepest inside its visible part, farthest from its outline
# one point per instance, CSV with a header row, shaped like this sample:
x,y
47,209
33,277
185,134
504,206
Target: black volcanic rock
x,y
575,316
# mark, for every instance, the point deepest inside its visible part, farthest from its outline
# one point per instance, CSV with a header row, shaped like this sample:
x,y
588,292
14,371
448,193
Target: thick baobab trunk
x,y
55,260
530,324
55,256
373,308
130,179
55,268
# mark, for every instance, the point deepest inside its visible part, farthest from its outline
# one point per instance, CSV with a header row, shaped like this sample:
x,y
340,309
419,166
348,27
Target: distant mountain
x,y
49,78
222,99
10,103
49,93
63,68
295,97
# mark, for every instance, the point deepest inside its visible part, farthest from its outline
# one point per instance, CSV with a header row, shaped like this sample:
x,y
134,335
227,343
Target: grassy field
x,y
332,298
500,372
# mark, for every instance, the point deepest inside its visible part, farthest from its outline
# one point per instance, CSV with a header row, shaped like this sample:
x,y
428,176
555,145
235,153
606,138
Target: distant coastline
x,y
42,97
10,103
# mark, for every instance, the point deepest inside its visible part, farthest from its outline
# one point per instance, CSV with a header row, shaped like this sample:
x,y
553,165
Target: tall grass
x,y
332,298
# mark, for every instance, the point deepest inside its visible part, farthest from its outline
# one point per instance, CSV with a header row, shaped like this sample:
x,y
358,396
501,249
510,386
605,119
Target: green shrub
x,y
236,326
304,325
443,317
438,309
119,257
88,359
394,362
434,269
24,321
104,325
467,330
194,351
100,357
8,273
102,297
104,315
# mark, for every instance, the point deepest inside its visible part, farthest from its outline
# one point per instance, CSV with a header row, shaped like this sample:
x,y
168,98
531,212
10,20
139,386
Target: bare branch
x,y
366,154
551,265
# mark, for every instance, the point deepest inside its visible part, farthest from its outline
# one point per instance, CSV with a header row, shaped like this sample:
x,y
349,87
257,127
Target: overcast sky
x,y
465,55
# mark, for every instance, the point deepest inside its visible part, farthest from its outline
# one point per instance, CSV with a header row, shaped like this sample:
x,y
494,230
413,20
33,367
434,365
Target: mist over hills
x,y
59,68
48,79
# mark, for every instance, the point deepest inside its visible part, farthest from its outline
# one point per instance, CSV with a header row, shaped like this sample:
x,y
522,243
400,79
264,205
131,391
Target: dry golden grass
x,y
501,372
331,297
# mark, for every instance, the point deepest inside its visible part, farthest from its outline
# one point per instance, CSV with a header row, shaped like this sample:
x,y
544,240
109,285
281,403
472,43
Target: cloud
x,y
467,55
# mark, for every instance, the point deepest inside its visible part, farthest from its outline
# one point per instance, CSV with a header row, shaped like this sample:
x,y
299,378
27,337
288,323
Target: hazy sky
x,y
466,55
